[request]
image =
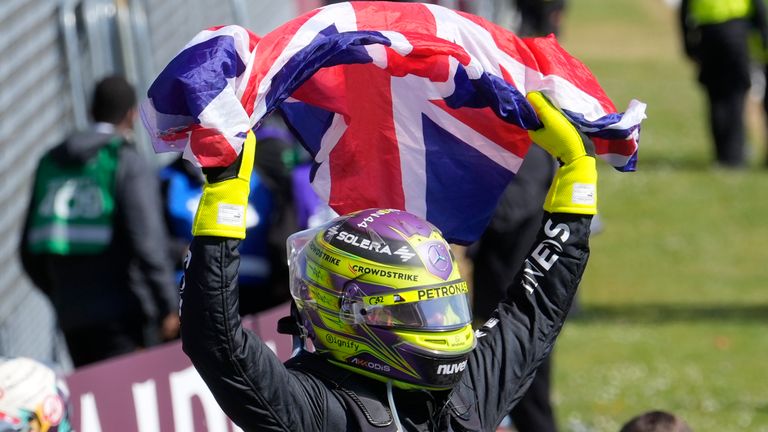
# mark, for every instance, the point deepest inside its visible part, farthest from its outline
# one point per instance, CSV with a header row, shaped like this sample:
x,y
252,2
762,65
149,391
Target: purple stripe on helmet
x,y
382,221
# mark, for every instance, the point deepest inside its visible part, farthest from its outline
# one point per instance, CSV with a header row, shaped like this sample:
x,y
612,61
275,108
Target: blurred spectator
x,y
275,158
269,217
500,252
94,237
715,37
764,66
540,17
499,255
759,54
311,210
32,398
181,184
656,421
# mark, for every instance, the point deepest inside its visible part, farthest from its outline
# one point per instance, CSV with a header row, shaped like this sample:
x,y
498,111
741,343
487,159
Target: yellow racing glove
x,y
574,188
223,205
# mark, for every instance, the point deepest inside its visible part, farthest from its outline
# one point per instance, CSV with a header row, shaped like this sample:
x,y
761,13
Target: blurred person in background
x,y
656,421
310,210
181,184
94,239
715,37
263,280
759,53
499,255
33,398
763,65
540,17
274,162
501,251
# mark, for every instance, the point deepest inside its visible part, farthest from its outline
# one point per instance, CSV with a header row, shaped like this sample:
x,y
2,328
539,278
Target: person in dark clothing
x,y
389,339
263,276
501,250
94,239
498,256
273,163
181,184
656,421
539,17
715,36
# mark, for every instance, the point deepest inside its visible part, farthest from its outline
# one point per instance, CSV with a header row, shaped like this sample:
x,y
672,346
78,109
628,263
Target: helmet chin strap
x,y
292,325
391,400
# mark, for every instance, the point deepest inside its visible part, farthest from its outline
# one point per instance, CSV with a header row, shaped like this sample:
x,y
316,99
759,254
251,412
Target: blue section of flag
x,y
196,76
601,126
490,91
459,200
308,123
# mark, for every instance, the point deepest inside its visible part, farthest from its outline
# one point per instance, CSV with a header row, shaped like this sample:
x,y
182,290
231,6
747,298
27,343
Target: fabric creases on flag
x,y
403,105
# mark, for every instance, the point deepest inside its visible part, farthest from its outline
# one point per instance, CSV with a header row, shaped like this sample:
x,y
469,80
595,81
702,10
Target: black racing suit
x,y
259,393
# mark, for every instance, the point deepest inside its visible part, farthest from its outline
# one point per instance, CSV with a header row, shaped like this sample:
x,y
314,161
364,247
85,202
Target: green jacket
x,y
702,12
697,13
73,204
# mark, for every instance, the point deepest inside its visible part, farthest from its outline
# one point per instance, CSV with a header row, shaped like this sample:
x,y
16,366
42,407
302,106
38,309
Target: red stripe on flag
x,y
269,49
359,181
428,59
547,56
322,91
508,136
211,148
505,40
508,77
552,59
417,24
620,147
399,17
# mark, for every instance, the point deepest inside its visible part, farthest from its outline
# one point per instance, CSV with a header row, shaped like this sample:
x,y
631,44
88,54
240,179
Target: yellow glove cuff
x,y
574,188
222,210
223,206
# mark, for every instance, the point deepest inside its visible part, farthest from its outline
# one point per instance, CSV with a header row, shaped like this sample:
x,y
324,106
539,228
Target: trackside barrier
x,y
158,390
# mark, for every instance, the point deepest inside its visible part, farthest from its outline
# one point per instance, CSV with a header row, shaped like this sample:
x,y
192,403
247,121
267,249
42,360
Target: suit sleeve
x,y
247,379
522,330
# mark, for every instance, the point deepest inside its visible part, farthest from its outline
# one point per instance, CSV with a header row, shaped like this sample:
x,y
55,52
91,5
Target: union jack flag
x,y
402,105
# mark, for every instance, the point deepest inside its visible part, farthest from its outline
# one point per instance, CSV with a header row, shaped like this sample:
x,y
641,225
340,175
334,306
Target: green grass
x,y
675,297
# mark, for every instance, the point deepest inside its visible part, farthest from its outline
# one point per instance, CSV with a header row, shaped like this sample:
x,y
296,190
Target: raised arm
x,y
249,382
522,330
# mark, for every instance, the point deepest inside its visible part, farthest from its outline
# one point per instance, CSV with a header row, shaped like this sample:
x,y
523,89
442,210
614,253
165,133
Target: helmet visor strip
x,y
443,307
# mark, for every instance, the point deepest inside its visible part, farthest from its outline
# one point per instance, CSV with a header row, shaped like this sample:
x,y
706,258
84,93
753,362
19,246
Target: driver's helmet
x,y
32,397
379,292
